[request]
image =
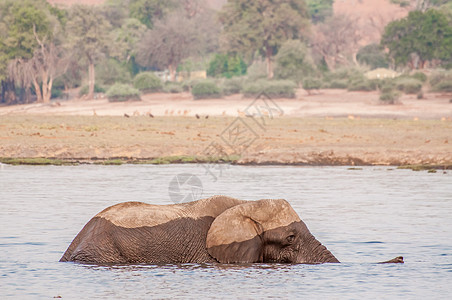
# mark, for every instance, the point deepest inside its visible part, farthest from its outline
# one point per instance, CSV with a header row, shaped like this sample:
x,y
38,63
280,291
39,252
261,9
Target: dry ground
x,y
283,140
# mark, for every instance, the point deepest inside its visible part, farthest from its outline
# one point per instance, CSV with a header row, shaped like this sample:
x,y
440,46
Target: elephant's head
x,y
264,231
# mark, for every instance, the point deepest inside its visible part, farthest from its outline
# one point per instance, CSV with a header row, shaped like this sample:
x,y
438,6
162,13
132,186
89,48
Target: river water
x,y
363,216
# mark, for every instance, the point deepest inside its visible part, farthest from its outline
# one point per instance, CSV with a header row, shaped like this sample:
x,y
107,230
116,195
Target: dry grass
x,y
284,140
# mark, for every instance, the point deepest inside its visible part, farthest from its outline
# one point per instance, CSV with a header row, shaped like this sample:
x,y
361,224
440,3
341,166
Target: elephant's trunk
x,y
318,253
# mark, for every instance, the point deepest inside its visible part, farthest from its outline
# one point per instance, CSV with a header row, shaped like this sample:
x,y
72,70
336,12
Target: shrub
x,y
206,89
372,55
312,84
362,85
147,82
336,84
389,97
257,70
420,76
420,95
232,86
444,86
273,88
440,81
294,61
110,71
408,85
122,92
173,88
84,90
226,65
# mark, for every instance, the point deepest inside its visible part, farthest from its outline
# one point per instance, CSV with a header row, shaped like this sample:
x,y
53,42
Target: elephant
x,y
218,229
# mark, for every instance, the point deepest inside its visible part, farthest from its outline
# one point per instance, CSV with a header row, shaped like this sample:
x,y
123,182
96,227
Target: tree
x,y
336,40
294,62
27,30
372,55
262,26
319,10
174,39
418,38
88,36
46,64
226,65
149,11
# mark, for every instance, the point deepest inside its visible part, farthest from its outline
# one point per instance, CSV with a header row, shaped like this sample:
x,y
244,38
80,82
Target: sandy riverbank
x,y
328,128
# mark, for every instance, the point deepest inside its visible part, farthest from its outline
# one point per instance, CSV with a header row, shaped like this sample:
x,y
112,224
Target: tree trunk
x,y
37,90
45,88
268,59
91,80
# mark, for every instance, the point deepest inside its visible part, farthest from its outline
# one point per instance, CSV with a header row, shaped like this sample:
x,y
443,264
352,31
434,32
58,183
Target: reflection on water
x,y
362,216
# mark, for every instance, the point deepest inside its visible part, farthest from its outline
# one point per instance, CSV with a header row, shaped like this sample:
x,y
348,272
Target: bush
x,y
173,88
336,84
420,76
312,84
445,86
257,70
408,85
362,85
122,92
147,82
294,61
226,65
389,97
84,90
273,88
205,89
372,55
232,86
110,71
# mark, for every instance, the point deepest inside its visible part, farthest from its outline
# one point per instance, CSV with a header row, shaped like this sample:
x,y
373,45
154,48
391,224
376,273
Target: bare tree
x,y
172,40
46,64
336,40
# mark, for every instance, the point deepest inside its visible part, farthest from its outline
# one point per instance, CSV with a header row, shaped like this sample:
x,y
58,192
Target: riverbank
x,y
37,139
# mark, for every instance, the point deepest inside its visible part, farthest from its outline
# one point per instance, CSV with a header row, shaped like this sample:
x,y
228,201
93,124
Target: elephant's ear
x,y
235,236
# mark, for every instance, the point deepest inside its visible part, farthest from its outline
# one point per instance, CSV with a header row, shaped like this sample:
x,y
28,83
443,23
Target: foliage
x,y
206,89
110,71
372,55
389,97
408,85
343,78
336,40
273,88
312,84
232,86
168,43
420,76
262,26
427,35
147,82
173,87
257,70
441,81
226,65
319,10
87,30
125,39
362,85
122,92
84,90
149,11
293,61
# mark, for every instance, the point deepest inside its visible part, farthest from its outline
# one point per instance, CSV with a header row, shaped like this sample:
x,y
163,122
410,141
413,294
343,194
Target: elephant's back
x,y
139,214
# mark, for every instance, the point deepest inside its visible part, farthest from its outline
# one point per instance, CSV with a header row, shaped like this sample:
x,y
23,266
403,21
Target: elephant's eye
x,y
290,238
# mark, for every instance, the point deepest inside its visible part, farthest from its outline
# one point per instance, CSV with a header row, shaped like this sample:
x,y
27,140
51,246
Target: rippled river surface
x,y
363,216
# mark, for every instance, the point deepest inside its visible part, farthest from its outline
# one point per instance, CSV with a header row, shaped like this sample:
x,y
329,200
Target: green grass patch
x,y
36,161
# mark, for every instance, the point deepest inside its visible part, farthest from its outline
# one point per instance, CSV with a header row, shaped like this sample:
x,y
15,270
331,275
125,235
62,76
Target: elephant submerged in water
x,y
216,229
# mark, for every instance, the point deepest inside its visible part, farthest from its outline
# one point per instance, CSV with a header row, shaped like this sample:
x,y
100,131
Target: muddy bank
x,y
282,141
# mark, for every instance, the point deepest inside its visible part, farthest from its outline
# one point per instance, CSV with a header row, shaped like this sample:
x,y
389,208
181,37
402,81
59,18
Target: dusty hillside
x,y
371,15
